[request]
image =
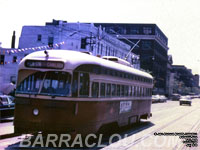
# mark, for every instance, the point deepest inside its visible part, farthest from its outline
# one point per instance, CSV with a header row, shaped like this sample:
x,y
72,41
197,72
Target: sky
x,y
178,19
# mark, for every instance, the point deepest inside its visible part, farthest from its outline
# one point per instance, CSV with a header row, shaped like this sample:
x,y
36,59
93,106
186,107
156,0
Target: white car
x,y
185,100
155,98
163,98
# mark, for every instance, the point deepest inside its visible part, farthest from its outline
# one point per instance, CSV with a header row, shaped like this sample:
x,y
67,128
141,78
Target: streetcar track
x,y
193,129
159,129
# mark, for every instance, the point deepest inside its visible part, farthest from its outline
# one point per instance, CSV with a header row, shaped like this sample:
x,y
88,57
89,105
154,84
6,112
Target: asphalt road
x,y
170,125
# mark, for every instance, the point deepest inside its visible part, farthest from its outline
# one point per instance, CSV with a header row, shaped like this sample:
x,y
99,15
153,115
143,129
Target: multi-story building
x,y
169,77
9,59
152,48
75,36
184,75
61,35
196,80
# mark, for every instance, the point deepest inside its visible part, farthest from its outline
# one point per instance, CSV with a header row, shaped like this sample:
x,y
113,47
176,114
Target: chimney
x,y
13,40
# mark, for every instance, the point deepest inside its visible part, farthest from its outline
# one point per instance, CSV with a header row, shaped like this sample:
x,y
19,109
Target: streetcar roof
x,y
73,59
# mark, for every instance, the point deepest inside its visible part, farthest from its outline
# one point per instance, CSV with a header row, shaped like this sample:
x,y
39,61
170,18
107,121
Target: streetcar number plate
x,y
125,106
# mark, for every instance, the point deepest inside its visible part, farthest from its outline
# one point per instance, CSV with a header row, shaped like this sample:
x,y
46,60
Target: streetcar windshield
x,y
47,83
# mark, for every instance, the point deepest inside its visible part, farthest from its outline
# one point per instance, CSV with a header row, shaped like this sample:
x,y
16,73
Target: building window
x,y
135,30
147,30
146,45
50,41
2,58
39,37
13,79
14,59
83,43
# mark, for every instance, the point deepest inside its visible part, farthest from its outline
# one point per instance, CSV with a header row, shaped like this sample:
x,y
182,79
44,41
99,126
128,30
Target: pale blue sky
x,y
178,19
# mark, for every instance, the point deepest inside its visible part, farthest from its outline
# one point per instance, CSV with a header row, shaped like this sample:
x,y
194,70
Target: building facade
x,y
169,77
61,35
196,80
83,37
184,78
152,48
9,59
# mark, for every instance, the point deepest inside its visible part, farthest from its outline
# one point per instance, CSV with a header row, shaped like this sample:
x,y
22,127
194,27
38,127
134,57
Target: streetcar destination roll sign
x,y
44,64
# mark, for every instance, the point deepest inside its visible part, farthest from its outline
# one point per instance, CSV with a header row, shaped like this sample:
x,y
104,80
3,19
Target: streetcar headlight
x,y
35,111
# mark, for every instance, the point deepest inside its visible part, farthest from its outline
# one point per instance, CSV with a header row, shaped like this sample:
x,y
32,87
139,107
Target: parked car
x,y
185,100
6,101
162,98
155,98
175,97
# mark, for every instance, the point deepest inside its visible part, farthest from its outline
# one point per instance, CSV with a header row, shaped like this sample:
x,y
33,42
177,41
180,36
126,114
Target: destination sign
x,y
44,64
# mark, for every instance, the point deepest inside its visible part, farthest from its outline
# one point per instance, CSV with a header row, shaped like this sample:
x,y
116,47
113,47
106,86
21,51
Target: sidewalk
x,y
6,127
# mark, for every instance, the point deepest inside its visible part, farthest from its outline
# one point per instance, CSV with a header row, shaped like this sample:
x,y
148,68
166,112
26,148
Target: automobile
x,y
185,100
162,98
175,97
155,98
6,101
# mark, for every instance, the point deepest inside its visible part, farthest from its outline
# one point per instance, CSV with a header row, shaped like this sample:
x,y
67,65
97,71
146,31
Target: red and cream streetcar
x,y
68,91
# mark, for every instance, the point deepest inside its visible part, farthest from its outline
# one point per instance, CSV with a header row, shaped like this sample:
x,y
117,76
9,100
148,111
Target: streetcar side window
x,y
122,90
108,90
114,90
95,89
103,87
75,85
84,84
118,90
135,91
126,90
138,91
130,91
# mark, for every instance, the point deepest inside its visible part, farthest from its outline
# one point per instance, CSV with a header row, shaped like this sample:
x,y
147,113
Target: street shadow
x,y
105,140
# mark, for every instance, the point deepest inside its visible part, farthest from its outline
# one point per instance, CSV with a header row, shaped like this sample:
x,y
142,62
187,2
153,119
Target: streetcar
x,y
63,91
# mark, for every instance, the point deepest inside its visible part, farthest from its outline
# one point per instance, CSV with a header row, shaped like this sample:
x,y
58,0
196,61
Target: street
x,y
166,129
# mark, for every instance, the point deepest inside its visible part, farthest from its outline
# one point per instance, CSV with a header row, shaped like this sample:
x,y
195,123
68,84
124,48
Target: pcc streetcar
x,y
68,91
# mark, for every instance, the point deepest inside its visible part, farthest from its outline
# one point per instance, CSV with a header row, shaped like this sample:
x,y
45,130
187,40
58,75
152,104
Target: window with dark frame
x,y
14,59
84,84
102,90
2,59
108,90
50,41
39,37
95,89
114,89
